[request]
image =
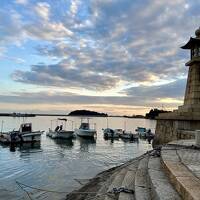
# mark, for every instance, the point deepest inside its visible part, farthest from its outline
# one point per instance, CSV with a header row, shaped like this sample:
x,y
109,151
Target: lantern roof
x,y
191,43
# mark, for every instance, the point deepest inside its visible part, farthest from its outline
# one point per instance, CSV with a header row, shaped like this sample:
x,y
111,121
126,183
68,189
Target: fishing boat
x,y
141,132
110,133
85,130
59,132
129,135
25,134
118,131
144,133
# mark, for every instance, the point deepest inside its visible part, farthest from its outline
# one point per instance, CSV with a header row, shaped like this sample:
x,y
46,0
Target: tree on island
x,y
87,113
153,113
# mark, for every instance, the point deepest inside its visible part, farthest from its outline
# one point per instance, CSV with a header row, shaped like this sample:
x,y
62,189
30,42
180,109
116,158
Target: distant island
x,y
87,113
153,113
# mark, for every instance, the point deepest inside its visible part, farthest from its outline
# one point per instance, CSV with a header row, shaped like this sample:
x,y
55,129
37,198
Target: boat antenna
x,y
124,125
2,126
107,122
72,125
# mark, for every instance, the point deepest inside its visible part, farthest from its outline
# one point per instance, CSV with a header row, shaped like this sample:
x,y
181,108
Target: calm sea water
x,y
63,165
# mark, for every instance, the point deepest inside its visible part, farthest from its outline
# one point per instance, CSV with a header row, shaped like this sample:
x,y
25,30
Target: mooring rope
x,y
24,190
52,191
113,191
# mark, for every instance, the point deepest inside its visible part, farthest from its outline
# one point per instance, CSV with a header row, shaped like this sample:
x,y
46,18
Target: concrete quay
x,y
171,172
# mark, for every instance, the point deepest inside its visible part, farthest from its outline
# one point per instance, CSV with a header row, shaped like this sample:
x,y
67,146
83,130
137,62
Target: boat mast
x,y
2,126
124,125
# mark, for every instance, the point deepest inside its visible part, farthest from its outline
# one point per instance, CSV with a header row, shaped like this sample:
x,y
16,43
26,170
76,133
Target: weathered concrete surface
x,y
173,176
183,166
161,188
116,183
142,187
129,181
105,181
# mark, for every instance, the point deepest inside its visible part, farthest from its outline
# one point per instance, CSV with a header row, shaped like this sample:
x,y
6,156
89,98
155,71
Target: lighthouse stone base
x,y
177,125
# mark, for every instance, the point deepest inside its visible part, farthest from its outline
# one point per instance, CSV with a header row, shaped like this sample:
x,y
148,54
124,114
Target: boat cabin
x,y
84,126
27,127
141,129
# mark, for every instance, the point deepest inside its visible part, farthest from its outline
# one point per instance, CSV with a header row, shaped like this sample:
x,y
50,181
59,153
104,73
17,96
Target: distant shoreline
x,y
63,115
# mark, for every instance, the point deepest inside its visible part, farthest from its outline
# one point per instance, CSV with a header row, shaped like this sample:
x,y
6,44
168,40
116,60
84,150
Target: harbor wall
x,y
168,130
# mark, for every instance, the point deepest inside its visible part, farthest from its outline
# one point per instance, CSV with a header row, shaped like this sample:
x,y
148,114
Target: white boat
x,y
110,133
25,134
85,130
59,133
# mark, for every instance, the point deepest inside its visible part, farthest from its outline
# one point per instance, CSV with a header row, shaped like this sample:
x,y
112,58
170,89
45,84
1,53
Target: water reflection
x,y
65,144
126,140
85,143
25,147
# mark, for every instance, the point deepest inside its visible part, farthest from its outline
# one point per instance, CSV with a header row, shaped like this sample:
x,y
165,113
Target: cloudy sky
x,y
114,56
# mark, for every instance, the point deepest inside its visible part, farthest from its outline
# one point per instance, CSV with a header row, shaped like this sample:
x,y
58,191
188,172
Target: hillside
x,y
87,113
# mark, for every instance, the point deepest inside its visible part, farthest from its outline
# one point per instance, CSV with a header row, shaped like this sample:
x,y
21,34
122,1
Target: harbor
x,y
63,166
99,100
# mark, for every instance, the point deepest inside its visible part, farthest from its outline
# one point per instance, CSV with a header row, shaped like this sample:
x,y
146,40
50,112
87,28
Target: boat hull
x,y
61,134
21,138
109,133
129,136
85,133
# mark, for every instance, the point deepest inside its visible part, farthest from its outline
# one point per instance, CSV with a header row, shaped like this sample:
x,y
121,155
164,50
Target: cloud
x,y
61,75
139,44
11,28
43,10
98,44
174,90
140,96
22,2
65,101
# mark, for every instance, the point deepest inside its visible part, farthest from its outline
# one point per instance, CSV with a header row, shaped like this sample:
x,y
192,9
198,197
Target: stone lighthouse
x,y
182,123
192,93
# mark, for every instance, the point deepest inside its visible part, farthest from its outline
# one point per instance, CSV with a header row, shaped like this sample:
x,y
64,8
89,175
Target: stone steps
x,y
129,182
185,182
123,177
116,183
104,188
173,176
161,188
142,186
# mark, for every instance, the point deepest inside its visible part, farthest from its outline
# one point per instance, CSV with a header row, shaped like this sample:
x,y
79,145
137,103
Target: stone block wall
x,y
169,129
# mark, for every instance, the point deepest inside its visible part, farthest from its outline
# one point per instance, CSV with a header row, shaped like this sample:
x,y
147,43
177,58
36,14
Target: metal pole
x,y
2,126
72,125
125,125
